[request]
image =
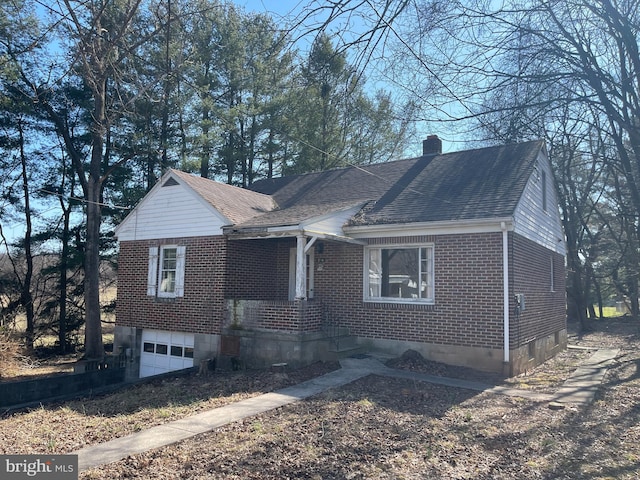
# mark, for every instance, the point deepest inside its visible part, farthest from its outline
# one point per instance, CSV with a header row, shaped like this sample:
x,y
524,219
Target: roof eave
x,y
290,231
483,225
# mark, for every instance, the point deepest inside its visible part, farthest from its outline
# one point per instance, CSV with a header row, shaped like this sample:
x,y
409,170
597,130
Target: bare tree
x,y
509,71
101,40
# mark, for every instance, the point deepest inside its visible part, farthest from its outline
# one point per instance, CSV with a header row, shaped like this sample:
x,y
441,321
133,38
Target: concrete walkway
x,y
581,386
155,437
577,390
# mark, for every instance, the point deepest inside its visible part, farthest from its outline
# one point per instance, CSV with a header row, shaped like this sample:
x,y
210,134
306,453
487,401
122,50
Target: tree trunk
x,y
26,297
94,347
576,297
633,298
270,145
62,294
206,147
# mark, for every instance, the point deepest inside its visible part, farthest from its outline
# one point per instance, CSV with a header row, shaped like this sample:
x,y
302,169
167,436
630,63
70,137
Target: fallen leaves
x,y
380,428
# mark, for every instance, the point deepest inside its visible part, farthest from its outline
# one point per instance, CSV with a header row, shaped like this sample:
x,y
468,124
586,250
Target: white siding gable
x,y
532,220
171,211
331,223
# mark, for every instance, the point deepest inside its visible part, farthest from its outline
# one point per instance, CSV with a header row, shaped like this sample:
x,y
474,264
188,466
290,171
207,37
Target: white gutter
x,y
486,225
505,300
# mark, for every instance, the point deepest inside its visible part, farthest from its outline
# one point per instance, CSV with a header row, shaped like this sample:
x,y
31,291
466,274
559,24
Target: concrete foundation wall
x,y
522,359
486,359
205,347
127,340
260,349
537,351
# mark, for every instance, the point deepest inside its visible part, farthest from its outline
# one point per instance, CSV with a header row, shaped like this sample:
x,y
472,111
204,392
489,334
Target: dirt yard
x,y
375,428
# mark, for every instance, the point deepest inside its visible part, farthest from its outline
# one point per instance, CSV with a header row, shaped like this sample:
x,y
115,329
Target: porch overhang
x,y
287,231
305,239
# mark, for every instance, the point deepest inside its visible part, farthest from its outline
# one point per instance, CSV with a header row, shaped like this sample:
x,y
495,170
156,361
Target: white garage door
x,y
165,351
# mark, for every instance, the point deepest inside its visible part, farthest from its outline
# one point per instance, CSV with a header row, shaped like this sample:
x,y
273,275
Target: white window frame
x,y
154,277
429,247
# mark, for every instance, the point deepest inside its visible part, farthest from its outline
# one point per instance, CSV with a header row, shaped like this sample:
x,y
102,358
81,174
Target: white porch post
x,y
301,267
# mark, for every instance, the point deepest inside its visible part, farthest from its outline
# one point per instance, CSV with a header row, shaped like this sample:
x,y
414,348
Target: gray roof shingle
x,y
472,184
237,204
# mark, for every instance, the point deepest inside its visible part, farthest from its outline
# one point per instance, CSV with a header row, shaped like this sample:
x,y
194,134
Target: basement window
x,y
399,274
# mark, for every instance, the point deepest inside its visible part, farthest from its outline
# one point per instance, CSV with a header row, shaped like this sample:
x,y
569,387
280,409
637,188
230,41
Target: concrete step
x,y
341,343
347,342
346,346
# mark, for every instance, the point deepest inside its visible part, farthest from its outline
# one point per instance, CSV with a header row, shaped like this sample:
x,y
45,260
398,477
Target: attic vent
x,y
171,181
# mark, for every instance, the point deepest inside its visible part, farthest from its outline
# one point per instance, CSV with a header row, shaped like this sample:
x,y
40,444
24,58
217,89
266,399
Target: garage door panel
x,y
176,363
161,361
165,351
146,370
163,337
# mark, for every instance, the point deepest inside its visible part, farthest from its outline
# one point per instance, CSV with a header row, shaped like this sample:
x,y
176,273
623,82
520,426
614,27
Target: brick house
x,y
459,256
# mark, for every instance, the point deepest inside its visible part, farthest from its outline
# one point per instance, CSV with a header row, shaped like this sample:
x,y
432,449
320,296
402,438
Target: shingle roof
x,y
473,184
237,204
295,214
300,197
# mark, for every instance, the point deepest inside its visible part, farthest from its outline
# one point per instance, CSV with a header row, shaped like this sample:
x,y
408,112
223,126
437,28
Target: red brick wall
x,y
282,316
200,310
258,269
468,293
468,309
468,289
545,310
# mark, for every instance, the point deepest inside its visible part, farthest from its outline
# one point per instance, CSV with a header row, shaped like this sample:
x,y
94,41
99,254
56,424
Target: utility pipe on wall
x,y
505,291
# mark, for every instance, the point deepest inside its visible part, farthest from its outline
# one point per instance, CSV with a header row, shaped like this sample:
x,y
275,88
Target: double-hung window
x,y
402,274
168,264
166,271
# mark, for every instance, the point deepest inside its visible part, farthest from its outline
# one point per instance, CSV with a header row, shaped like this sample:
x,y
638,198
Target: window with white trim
x,y
401,274
166,271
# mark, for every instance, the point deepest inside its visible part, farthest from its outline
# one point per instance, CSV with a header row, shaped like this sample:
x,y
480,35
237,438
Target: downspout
x,y
505,289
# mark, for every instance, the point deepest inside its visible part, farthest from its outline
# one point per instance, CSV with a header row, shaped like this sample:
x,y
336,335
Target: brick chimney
x,y
432,145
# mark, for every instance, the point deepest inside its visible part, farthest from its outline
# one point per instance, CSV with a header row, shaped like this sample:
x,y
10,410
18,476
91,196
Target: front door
x,y
292,274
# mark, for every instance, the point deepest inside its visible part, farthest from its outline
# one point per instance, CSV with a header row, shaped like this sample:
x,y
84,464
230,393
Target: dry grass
x,y
375,428
64,427
15,365
11,358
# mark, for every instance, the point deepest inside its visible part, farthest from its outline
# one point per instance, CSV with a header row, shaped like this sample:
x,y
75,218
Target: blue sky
x,y
279,7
